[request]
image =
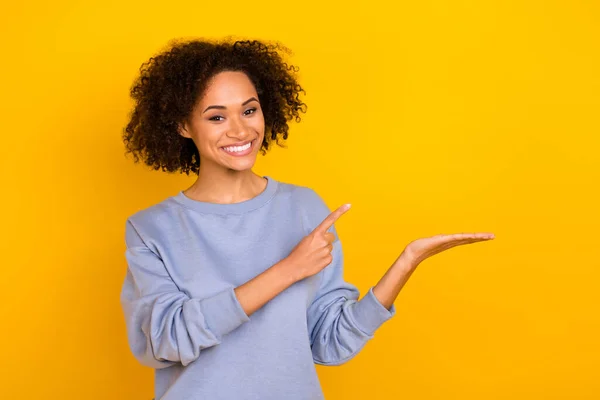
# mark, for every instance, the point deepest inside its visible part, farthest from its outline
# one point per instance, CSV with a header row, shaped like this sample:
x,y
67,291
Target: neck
x,y
225,186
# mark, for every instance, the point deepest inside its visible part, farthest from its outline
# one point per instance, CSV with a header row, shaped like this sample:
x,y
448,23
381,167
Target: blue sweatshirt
x,y
185,257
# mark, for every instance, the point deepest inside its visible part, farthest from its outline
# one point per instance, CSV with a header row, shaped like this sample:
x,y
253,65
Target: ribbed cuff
x,y
369,314
223,312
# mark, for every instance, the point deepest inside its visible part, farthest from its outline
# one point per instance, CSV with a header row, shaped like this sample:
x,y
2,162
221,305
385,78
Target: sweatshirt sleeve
x,y
164,325
339,324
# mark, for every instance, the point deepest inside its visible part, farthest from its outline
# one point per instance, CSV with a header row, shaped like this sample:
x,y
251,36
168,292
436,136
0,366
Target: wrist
x,y
405,263
287,271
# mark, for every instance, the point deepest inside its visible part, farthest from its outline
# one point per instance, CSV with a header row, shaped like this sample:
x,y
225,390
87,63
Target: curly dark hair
x,y
170,84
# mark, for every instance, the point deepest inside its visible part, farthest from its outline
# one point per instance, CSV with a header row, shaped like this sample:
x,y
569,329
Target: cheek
x,y
259,124
208,136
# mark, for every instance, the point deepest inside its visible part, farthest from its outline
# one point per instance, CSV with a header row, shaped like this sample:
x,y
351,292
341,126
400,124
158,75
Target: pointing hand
x,y
313,252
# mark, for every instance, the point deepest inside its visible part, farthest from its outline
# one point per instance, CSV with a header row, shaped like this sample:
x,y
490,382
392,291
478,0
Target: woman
x,y
234,287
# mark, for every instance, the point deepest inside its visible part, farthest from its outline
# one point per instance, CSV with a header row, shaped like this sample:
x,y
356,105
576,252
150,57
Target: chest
x,y
208,256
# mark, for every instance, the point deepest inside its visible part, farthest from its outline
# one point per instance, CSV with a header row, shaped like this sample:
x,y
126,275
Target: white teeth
x,y
237,149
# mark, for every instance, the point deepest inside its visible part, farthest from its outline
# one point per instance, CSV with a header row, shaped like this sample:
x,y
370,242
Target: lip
x,y
243,153
239,143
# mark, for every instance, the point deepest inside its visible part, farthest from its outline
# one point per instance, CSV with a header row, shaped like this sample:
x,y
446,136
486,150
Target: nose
x,y
238,129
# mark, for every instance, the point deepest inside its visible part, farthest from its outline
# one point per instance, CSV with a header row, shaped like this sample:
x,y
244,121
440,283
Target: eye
x,y
214,118
253,110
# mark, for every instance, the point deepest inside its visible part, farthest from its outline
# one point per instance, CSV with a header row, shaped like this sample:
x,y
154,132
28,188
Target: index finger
x,y
331,218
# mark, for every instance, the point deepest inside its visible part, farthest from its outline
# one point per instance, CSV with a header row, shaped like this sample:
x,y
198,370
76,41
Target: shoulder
x,y
303,196
307,202
152,221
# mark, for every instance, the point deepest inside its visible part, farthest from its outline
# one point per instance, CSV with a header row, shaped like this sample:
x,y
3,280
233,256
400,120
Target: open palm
x,y
420,249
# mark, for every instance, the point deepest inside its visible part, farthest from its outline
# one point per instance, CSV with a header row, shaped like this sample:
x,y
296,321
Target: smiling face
x,y
227,123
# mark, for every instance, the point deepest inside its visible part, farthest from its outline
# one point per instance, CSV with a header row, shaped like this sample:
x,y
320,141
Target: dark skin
x,y
170,83
229,114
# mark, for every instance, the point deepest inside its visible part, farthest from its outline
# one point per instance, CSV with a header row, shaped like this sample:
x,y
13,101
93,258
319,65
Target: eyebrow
x,y
224,108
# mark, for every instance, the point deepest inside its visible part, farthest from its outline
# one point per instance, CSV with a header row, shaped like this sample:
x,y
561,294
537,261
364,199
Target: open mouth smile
x,y
241,150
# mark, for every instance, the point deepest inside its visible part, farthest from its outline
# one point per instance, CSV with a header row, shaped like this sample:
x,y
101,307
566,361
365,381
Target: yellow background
x,y
428,116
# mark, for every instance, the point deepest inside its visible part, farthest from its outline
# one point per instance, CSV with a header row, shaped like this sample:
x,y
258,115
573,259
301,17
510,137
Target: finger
x,y
456,243
448,245
331,218
465,236
330,237
467,241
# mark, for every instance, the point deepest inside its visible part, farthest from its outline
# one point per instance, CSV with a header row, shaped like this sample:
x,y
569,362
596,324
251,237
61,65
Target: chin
x,y
240,168
240,165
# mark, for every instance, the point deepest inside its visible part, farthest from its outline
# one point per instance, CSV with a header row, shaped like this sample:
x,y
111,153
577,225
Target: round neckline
x,y
230,208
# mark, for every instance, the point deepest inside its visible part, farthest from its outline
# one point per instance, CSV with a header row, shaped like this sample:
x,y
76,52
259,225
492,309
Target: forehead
x,y
228,88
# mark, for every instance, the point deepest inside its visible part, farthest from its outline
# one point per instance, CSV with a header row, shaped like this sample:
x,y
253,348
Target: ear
x,y
182,128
